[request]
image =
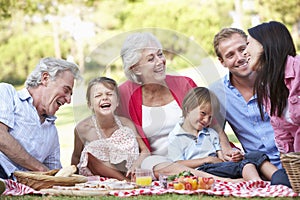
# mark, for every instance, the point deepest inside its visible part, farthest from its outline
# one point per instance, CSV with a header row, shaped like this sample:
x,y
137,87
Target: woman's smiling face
x,y
254,51
151,67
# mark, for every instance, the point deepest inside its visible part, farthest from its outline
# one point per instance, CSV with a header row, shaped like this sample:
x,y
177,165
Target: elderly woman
x,y
152,99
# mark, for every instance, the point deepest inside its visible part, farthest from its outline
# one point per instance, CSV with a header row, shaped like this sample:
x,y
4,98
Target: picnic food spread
x,y
90,188
46,183
42,180
65,182
187,181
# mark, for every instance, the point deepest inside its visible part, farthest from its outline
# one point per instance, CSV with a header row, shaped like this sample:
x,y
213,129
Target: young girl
x,y
271,52
195,145
106,144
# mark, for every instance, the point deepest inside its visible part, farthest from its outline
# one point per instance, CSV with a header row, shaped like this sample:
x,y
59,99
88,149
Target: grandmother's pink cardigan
x,y
131,99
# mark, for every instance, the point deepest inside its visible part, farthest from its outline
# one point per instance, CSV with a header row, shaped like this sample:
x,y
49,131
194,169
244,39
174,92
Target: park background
x,y
90,32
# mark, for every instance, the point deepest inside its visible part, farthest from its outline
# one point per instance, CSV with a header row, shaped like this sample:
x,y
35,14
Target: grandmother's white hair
x,y
132,49
54,66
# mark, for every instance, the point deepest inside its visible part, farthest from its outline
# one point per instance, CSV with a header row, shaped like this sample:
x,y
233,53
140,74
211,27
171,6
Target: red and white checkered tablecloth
x,y
243,189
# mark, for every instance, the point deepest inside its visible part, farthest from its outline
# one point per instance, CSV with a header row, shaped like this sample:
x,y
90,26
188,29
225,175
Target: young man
x,y
239,103
28,135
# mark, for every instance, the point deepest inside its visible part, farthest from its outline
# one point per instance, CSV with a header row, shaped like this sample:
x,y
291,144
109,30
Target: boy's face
x,y
198,118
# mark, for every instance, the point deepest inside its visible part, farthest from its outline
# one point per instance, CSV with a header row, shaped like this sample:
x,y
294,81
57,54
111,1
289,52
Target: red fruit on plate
x,y
211,181
188,186
205,180
205,183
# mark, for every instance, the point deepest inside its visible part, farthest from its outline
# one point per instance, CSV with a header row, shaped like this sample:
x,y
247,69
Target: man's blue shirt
x,y
244,119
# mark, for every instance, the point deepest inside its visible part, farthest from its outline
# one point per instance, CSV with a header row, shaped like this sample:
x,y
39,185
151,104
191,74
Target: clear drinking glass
x,y
143,177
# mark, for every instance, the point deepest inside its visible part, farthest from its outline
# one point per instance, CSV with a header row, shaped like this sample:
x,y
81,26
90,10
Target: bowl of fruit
x,y
187,181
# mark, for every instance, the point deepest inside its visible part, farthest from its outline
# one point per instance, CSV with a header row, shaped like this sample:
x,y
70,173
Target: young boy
x,y
195,145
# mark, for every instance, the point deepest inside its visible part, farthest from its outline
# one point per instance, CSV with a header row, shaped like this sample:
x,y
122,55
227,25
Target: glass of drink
x,y
143,177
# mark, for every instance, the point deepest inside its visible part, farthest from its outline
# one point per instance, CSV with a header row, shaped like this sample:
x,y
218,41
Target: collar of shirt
x,y
227,82
198,139
24,95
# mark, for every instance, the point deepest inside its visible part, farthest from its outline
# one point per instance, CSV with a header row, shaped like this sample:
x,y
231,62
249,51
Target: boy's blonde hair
x,y
197,97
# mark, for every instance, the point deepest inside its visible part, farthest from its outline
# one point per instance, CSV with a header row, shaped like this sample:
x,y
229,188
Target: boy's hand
x,y
234,155
237,155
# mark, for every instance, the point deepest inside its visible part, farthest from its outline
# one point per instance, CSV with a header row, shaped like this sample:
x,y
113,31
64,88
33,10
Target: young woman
x,y
272,54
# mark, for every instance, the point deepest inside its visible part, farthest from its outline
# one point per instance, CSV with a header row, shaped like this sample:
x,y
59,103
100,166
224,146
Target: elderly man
x,y
28,135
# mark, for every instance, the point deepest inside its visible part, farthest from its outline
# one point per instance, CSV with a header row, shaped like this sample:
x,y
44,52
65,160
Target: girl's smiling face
x,y
103,99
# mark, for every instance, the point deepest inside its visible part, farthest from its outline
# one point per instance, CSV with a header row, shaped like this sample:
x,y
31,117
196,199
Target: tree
x,y
287,12
27,32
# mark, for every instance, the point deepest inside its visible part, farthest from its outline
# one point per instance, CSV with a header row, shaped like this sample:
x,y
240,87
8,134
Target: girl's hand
x,y
131,173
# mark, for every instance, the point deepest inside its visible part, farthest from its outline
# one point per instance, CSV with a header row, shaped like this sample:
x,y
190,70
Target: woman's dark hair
x,y
277,43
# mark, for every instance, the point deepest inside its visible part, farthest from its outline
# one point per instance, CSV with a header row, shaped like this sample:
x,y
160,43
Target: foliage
x,y
286,12
191,18
31,29
20,54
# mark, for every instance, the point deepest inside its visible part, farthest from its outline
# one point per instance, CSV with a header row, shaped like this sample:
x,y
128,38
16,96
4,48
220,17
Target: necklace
x,y
97,128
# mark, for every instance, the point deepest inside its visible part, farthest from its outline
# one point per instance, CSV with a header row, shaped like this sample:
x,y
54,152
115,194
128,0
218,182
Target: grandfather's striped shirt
x,y
39,140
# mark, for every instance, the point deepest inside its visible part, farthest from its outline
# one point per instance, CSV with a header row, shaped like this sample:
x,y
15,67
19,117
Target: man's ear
x,y
221,60
45,78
